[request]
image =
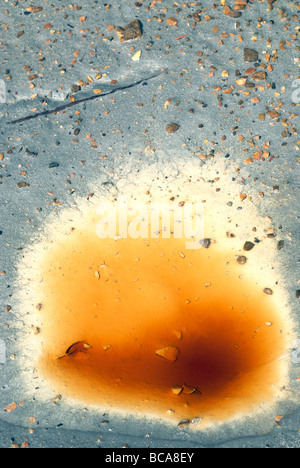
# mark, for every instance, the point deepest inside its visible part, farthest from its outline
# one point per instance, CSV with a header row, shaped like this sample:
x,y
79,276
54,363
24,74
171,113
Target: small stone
x,y
298,293
183,423
178,334
273,114
106,347
172,128
250,55
190,390
34,9
22,184
170,353
268,291
136,57
75,88
197,420
53,165
259,76
197,17
280,245
133,30
248,246
242,260
177,389
172,21
11,407
232,13
77,348
205,243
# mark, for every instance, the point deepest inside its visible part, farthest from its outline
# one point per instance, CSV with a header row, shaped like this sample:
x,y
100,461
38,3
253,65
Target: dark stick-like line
x,y
74,103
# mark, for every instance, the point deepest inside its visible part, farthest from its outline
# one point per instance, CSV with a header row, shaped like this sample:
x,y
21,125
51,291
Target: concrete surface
x,y
187,73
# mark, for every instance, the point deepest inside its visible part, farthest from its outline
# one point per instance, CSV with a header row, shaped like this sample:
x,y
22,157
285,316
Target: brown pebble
x,y
241,259
172,21
268,291
205,243
75,88
22,184
34,9
248,246
170,353
133,30
250,55
172,128
232,13
259,76
184,423
197,16
177,389
273,114
280,245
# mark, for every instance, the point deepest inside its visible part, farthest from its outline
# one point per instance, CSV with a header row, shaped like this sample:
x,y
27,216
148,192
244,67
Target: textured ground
x,y
80,107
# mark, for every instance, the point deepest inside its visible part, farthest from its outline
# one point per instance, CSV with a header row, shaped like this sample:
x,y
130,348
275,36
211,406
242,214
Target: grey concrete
x,y
32,141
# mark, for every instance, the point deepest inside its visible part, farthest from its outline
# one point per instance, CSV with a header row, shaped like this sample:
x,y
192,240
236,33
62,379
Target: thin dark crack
x,y
80,101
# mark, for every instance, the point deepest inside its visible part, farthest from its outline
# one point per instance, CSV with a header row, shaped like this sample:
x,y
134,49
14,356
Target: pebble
x,y
53,165
172,21
183,423
170,353
280,245
132,30
205,243
23,184
232,13
241,259
172,128
250,55
248,246
259,76
75,88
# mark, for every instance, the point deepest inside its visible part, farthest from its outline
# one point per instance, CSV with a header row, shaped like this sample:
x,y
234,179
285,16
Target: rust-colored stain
x,y
150,327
